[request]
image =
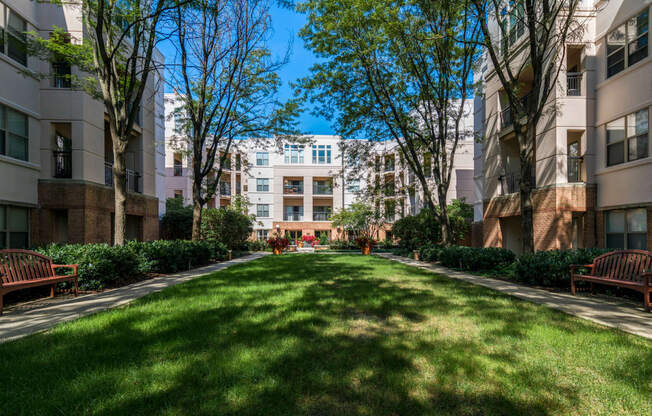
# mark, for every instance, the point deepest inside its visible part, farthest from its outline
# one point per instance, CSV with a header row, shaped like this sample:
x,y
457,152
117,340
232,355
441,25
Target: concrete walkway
x,y
26,319
621,315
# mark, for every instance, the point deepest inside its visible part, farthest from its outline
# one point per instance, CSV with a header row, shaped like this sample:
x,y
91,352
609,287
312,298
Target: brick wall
x,y
89,208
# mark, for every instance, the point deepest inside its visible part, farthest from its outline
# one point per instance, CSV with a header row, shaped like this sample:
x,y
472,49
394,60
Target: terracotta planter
x,y
416,255
278,251
300,244
366,250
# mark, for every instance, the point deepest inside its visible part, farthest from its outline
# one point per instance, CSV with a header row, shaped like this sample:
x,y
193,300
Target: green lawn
x,y
327,335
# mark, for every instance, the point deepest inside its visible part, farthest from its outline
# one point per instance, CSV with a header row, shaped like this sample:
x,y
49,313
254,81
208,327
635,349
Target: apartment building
x,y
55,151
593,164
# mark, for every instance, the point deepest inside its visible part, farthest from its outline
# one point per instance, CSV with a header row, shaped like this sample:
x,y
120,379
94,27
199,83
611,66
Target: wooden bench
x,y
631,269
20,269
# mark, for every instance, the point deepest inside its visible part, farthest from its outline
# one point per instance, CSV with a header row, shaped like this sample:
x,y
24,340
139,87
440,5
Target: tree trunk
x,y
446,234
120,191
527,216
196,211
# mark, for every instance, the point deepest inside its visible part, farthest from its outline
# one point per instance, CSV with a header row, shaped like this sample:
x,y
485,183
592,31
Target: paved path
x,y
39,316
623,316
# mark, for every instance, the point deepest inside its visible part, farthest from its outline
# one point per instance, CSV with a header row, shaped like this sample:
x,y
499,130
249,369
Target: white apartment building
x,y
55,153
593,160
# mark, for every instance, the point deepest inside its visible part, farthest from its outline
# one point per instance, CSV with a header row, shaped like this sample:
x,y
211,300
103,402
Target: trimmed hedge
x,y
475,258
429,252
552,268
102,265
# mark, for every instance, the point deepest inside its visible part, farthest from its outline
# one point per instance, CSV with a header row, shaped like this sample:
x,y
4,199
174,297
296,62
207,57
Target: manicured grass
x,y
327,335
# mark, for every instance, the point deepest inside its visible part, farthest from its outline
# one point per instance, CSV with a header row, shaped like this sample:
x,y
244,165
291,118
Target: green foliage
x,y
323,239
256,245
429,252
176,223
102,265
359,220
413,231
226,225
552,267
475,258
460,215
339,244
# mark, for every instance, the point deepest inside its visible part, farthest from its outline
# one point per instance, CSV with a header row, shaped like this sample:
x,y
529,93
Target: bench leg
x,y
572,285
1,298
592,289
52,290
76,289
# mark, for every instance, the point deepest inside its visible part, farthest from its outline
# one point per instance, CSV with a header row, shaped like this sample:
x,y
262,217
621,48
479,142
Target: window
x,y
14,227
627,44
628,136
178,193
321,154
13,133
178,164
427,165
293,154
262,210
262,159
321,213
13,40
262,234
627,229
262,185
354,186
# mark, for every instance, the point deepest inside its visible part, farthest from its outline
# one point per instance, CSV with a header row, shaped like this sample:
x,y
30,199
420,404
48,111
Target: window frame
x,y
265,211
7,34
5,133
264,159
625,48
293,154
627,138
5,233
262,184
626,233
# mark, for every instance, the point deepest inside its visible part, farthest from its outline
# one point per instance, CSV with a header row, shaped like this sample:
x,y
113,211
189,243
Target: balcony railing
x,y
511,183
178,170
389,167
293,217
574,83
61,75
225,189
322,189
292,189
574,172
62,164
133,178
507,117
321,216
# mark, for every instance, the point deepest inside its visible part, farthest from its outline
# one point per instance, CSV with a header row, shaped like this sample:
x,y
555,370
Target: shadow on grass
x,y
313,335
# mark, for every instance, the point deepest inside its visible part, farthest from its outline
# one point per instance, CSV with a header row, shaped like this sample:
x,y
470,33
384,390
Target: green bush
x,y
323,239
100,265
343,245
429,252
552,267
226,225
414,231
475,258
176,223
256,245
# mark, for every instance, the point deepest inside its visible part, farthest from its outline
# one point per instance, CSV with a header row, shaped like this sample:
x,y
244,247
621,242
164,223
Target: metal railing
x,y
293,217
61,75
322,189
511,182
62,164
178,170
292,189
321,216
574,172
133,178
507,116
574,83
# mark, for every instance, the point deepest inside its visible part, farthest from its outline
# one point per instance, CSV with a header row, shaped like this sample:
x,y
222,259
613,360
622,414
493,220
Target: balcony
x,y
574,172
511,183
293,189
322,188
61,75
178,170
507,117
225,189
62,164
292,217
133,178
573,84
321,216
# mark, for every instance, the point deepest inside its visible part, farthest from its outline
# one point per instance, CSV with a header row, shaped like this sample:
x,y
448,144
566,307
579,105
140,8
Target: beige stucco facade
x,y
69,152
576,185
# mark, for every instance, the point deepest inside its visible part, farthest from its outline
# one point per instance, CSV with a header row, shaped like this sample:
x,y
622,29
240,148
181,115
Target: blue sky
x,y
286,24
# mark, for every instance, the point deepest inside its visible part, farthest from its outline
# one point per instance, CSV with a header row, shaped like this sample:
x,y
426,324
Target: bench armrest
x,y
66,266
580,266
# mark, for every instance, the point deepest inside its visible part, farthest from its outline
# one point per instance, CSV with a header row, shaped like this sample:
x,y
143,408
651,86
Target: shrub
x,y
552,267
100,265
256,245
365,241
277,242
226,225
176,223
342,245
414,231
309,239
429,252
475,258
323,239
460,215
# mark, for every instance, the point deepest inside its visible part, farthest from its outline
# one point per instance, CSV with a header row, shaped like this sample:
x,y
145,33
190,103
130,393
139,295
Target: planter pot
x,y
366,250
300,244
278,251
416,255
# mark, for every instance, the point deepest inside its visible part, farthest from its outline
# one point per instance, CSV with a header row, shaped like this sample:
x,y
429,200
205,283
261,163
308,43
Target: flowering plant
x,y
310,239
364,241
277,242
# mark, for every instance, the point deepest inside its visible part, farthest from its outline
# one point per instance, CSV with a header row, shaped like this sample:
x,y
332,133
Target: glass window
x,y
637,135
293,154
427,165
262,210
293,213
13,134
262,158
628,43
615,139
262,185
3,133
14,227
262,234
16,47
321,154
627,229
354,186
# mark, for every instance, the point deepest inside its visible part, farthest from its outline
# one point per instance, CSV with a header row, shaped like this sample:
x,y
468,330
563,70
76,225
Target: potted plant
x,y
299,243
278,244
309,239
366,244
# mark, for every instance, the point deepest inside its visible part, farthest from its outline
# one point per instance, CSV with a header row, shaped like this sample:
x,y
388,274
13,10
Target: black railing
x,y
507,116
322,189
61,75
178,170
574,172
574,83
133,178
62,164
511,182
293,189
293,217
321,216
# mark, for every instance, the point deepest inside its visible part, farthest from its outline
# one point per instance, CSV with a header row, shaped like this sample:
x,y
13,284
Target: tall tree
x,y
545,25
226,83
116,58
396,70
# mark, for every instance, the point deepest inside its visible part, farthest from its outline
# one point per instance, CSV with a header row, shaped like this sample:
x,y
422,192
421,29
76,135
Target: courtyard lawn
x,y
327,335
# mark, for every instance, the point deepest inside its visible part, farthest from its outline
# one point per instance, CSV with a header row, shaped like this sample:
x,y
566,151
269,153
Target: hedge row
x,y
547,268
102,265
